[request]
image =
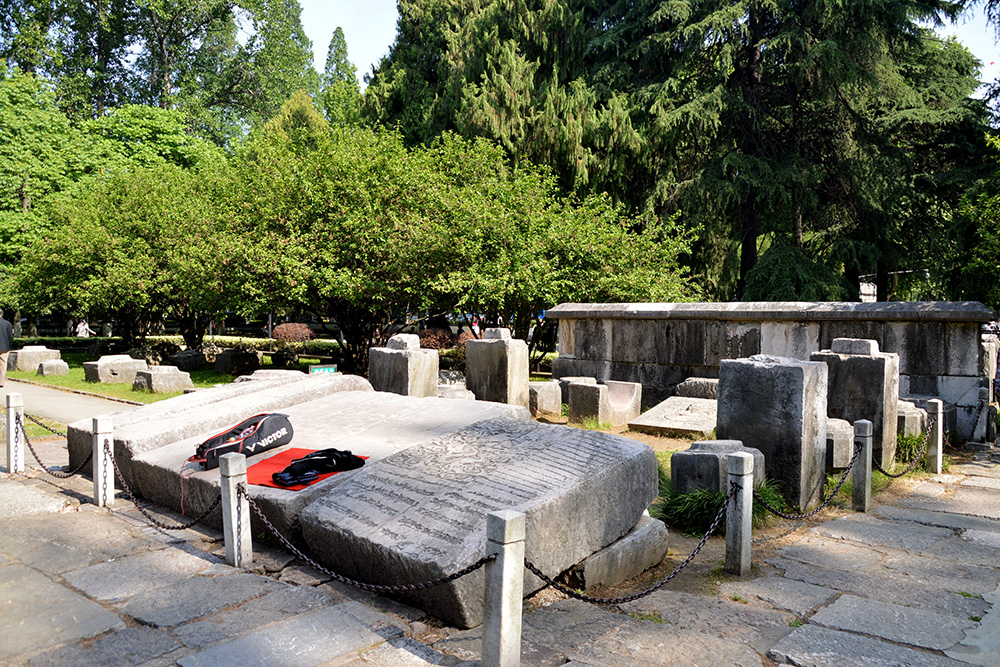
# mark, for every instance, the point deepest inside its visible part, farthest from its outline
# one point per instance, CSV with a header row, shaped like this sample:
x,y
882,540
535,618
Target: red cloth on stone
x,y
260,473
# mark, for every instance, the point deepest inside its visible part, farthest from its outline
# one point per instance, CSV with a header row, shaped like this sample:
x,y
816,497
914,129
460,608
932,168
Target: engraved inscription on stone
x,y
422,512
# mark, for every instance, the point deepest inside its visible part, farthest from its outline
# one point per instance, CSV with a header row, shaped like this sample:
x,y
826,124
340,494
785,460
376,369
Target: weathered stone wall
x,y
661,344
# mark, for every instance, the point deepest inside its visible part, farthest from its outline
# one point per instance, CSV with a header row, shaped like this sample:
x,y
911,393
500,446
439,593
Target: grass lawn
x,y
206,377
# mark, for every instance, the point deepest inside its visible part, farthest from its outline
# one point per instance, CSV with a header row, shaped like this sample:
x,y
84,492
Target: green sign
x,y
314,368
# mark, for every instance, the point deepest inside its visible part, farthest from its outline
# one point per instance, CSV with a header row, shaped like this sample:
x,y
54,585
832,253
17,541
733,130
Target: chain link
x,y
916,459
153,520
59,474
375,588
733,489
35,421
858,446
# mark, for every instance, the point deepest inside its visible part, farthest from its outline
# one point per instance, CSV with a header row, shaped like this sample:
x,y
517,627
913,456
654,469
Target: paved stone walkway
x,y
913,583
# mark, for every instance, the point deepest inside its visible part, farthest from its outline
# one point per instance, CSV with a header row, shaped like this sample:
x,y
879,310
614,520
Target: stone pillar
x,y
235,510
861,474
778,405
979,429
104,472
935,442
739,514
864,384
15,437
401,367
496,368
504,589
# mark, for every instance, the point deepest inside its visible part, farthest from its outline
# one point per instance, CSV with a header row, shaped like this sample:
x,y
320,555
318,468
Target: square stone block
x,y
778,405
705,465
545,398
910,420
614,403
497,370
29,357
113,369
403,370
839,443
643,547
53,367
162,380
864,385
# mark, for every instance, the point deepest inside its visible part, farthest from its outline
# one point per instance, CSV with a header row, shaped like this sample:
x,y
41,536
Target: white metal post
x,y
104,473
935,444
235,510
15,438
739,514
504,589
861,475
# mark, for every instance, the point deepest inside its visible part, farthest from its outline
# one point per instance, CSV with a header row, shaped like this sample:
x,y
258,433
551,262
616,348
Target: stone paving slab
x,y
873,531
69,540
798,597
125,577
18,499
36,613
815,646
981,645
946,478
193,598
273,607
916,627
983,551
589,635
405,652
715,617
985,538
313,638
932,518
981,468
888,586
982,482
964,500
123,648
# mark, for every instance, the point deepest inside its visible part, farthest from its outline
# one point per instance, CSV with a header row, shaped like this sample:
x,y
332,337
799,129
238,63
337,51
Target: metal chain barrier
x,y
733,488
916,459
35,421
795,517
153,520
59,474
375,588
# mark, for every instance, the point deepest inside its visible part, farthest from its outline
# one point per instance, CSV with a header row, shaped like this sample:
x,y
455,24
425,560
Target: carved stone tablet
x,y
421,514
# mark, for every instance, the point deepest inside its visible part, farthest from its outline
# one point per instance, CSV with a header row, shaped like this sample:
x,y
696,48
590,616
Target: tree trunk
x,y
750,144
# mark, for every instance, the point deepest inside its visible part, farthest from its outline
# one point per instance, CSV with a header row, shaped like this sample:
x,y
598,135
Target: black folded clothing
x,y
311,466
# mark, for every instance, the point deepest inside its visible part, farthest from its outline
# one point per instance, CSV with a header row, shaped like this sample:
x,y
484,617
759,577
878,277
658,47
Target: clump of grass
x,y
693,512
591,424
908,447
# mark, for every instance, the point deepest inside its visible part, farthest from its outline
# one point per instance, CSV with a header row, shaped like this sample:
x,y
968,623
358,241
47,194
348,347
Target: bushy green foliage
x,y
694,512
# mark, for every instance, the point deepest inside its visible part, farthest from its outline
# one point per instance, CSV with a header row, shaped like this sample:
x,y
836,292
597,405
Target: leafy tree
x,y
341,94
135,246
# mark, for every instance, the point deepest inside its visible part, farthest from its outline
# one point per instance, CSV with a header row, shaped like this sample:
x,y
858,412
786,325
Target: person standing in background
x,y
83,330
6,343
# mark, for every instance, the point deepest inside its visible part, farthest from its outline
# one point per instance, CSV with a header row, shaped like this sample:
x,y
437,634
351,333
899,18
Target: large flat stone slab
x,y
679,415
421,514
821,647
372,424
19,500
122,578
965,500
314,638
149,427
869,530
280,605
916,627
131,646
195,597
36,612
797,597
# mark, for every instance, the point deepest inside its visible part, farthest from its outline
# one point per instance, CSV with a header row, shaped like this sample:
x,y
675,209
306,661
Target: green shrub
x,y
694,512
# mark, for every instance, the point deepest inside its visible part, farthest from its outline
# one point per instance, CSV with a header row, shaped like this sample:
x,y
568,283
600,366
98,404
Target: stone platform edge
x,y
921,311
